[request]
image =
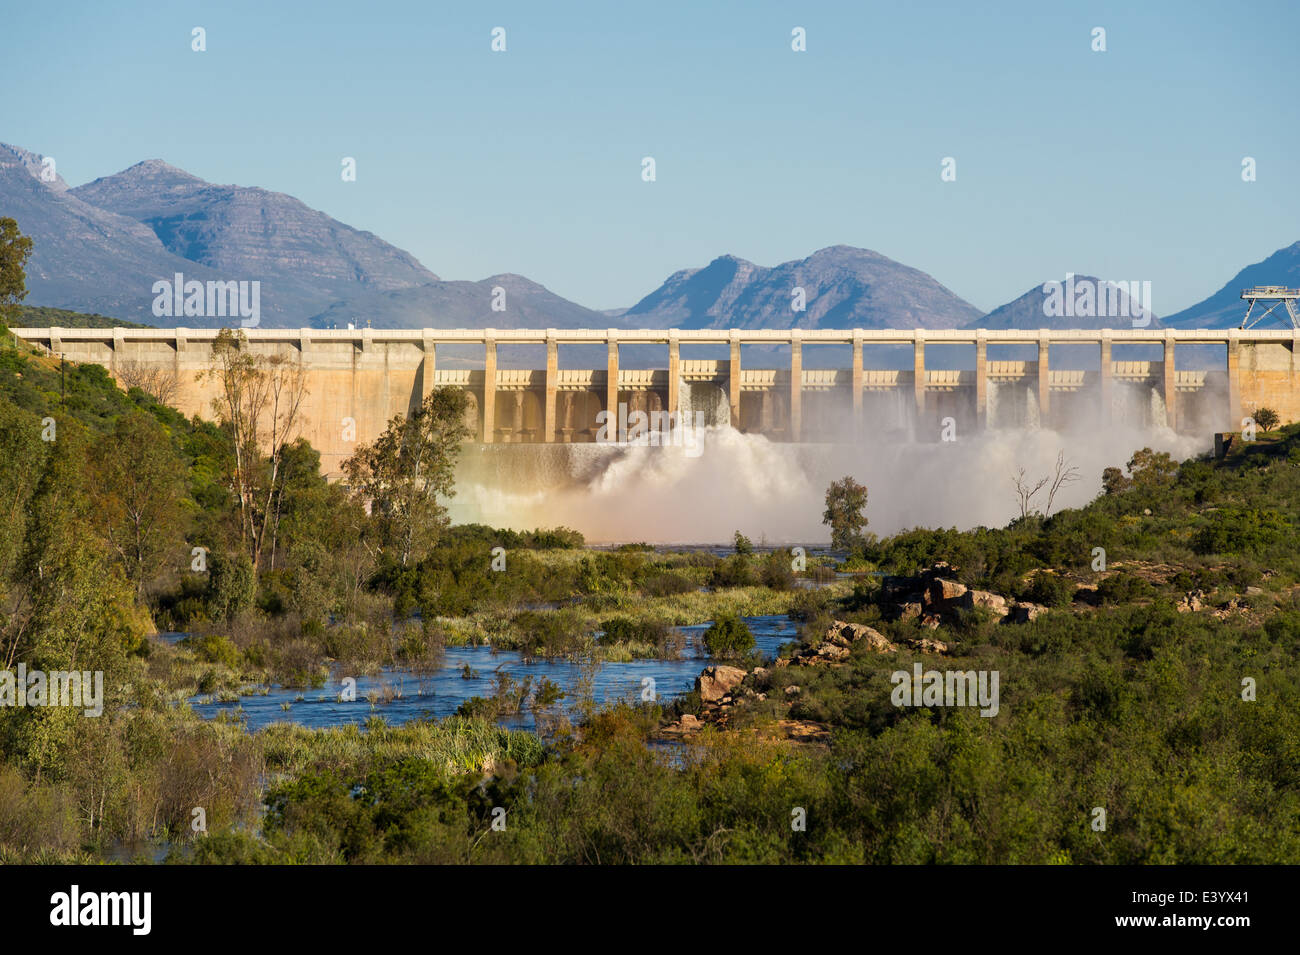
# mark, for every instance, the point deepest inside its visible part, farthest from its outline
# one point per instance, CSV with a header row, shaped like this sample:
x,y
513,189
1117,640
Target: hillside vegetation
x,y
1159,687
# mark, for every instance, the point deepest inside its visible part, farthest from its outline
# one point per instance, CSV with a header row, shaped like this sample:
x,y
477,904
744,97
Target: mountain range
x,y
101,246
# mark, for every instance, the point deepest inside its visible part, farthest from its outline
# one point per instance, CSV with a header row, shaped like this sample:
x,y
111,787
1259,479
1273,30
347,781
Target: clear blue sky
x,y
1124,164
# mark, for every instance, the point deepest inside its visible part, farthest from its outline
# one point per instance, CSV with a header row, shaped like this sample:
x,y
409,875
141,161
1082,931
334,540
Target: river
x,y
400,694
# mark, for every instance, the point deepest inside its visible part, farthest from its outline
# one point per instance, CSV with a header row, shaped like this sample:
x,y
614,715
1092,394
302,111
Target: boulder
x,y
927,645
1025,612
845,635
715,682
910,611
1191,602
792,691
984,600
943,591
831,653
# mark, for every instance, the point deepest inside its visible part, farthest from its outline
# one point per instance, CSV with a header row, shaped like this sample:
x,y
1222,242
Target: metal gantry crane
x,y
1278,295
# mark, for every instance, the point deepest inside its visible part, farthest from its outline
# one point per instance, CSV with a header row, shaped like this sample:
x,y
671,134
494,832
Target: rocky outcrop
x,y
841,638
716,682
1025,612
984,600
934,596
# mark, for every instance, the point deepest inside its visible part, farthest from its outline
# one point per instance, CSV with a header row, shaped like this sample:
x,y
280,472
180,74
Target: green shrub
x,y
733,571
1123,587
728,637
212,648
775,570
1240,530
1049,590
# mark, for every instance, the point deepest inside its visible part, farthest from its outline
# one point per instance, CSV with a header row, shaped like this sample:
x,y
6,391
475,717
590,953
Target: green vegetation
x,y
846,499
1161,683
728,637
42,316
14,250
1115,697
1267,419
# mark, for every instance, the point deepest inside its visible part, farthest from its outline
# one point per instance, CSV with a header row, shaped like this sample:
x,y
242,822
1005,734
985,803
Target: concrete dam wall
x,y
356,380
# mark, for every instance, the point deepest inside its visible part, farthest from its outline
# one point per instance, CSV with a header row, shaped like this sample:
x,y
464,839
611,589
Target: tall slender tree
x,y
14,250
260,403
404,471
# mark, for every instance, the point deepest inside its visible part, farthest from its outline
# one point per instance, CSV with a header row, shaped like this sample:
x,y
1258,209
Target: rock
x,y
926,645
804,731
930,621
984,600
761,697
844,635
1025,612
715,682
1254,591
831,652
943,591
759,673
792,691
836,638
689,722
875,641
1193,601
909,611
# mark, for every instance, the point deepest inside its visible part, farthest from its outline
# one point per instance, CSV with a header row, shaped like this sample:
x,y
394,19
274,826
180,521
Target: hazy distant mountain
x,y
83,258
843,287
463,305
35,164
305,260
1225,308
101,246
1039,309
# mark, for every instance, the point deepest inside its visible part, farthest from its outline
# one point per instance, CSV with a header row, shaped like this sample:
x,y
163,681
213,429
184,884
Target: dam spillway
x,y
357,379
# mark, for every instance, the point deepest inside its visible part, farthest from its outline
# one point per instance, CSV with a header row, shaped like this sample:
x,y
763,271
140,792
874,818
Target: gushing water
x,y
775,491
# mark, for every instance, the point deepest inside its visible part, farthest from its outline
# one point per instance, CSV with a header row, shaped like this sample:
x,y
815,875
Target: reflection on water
x,y
403,694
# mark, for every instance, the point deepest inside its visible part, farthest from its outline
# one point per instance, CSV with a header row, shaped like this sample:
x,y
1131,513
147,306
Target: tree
x,y
140,496
259,403
1152,468
158,383
1063,473
846,499
1113,481
1026,490
403,472
743,544
14,250
1267,419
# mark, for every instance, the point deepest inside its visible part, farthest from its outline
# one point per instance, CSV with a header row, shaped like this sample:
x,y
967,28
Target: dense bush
x,y
728,637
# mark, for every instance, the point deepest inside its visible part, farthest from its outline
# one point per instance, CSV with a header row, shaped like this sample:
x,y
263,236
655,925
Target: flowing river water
x,y
400,694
